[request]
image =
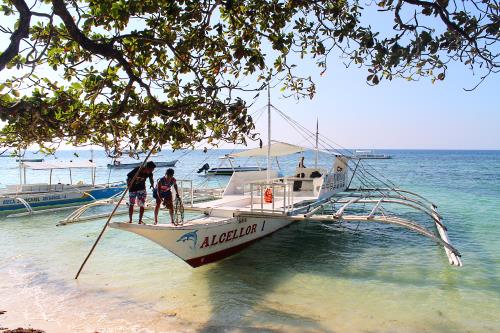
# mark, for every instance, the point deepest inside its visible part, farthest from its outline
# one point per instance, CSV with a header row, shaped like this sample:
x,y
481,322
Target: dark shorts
x,y
166,197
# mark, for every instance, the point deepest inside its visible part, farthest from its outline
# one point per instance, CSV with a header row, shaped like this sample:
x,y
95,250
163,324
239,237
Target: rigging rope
x,y
323,139
364,176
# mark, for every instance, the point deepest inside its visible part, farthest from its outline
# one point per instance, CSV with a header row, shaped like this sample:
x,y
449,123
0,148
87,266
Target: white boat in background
x,y
119,165
30,197
29,159
227,171
370,155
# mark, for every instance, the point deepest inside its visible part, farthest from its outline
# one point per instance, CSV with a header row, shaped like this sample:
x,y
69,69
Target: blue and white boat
x,y
30,197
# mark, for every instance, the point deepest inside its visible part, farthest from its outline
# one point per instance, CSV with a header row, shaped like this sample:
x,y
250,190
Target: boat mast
x,y
268,132
317,151
20,167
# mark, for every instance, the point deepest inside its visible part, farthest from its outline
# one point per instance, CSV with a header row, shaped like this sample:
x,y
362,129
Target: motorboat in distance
x,y
370,155
227,171
118,165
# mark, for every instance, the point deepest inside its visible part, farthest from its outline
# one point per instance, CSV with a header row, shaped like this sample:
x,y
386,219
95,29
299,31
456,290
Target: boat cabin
x,y
25,187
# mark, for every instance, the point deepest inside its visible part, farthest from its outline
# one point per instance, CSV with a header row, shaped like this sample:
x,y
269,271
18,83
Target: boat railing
x,y
35,188
186,189
307,187
275,196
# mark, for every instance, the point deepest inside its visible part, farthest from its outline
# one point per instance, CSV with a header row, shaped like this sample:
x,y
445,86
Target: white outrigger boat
x,y
255,204
33,197
247,212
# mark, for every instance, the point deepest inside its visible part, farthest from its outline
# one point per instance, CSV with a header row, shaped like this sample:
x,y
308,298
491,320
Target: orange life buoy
x,y
268,195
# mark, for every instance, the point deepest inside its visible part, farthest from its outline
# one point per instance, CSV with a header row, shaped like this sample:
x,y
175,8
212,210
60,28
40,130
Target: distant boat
x,y
119,165
370,155
131,152
227,171
230,171
44,196
29,159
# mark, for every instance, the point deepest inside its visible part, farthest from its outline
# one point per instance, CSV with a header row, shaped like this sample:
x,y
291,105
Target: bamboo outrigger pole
x,y
114,211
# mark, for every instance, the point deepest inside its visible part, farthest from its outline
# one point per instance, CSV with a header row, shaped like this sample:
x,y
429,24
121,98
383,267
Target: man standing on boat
x,y
301,163
137,189
163,194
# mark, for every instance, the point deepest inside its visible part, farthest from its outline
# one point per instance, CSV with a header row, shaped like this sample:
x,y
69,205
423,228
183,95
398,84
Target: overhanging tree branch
x,y
21,32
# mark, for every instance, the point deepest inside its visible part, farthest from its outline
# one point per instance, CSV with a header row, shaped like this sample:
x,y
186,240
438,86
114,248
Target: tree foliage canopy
x,y
137,72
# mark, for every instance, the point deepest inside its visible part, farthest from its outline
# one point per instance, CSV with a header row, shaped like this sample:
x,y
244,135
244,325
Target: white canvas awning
x,y
277,149
58,165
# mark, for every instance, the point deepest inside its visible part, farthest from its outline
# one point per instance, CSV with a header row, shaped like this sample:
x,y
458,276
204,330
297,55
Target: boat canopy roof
x,y
58,165
277,149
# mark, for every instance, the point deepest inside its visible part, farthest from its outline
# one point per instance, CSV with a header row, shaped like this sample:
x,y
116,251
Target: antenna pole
x,y
317,151
268,132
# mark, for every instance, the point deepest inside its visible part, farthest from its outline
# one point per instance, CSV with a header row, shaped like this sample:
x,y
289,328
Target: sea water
x,y
308,277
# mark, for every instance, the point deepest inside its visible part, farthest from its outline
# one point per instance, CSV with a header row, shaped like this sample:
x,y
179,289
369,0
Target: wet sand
x,y
19,329
42,309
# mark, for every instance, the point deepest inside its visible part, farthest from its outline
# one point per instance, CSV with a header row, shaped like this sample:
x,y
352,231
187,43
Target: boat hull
x,y
230,171
200,244
46,200
29,159
134,165
382,157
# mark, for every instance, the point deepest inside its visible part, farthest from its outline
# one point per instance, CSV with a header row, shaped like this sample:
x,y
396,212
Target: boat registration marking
x,y
228,236
35,199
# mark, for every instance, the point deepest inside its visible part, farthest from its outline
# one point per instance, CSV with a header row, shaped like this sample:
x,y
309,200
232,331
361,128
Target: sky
x,y
393,115
396,114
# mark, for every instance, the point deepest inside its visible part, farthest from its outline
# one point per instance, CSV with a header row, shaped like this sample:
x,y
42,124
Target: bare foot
x,y
130,221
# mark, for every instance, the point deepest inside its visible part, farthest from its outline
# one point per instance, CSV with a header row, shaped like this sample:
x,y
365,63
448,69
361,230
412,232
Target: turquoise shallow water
x,y
308,277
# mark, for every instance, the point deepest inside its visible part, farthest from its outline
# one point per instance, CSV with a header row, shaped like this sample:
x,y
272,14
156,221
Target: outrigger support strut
x,y
25,204
76,216
404,223
397,196
452,253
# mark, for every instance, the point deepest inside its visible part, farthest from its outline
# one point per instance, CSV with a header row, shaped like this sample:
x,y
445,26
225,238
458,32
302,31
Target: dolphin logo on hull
x,y
192,235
